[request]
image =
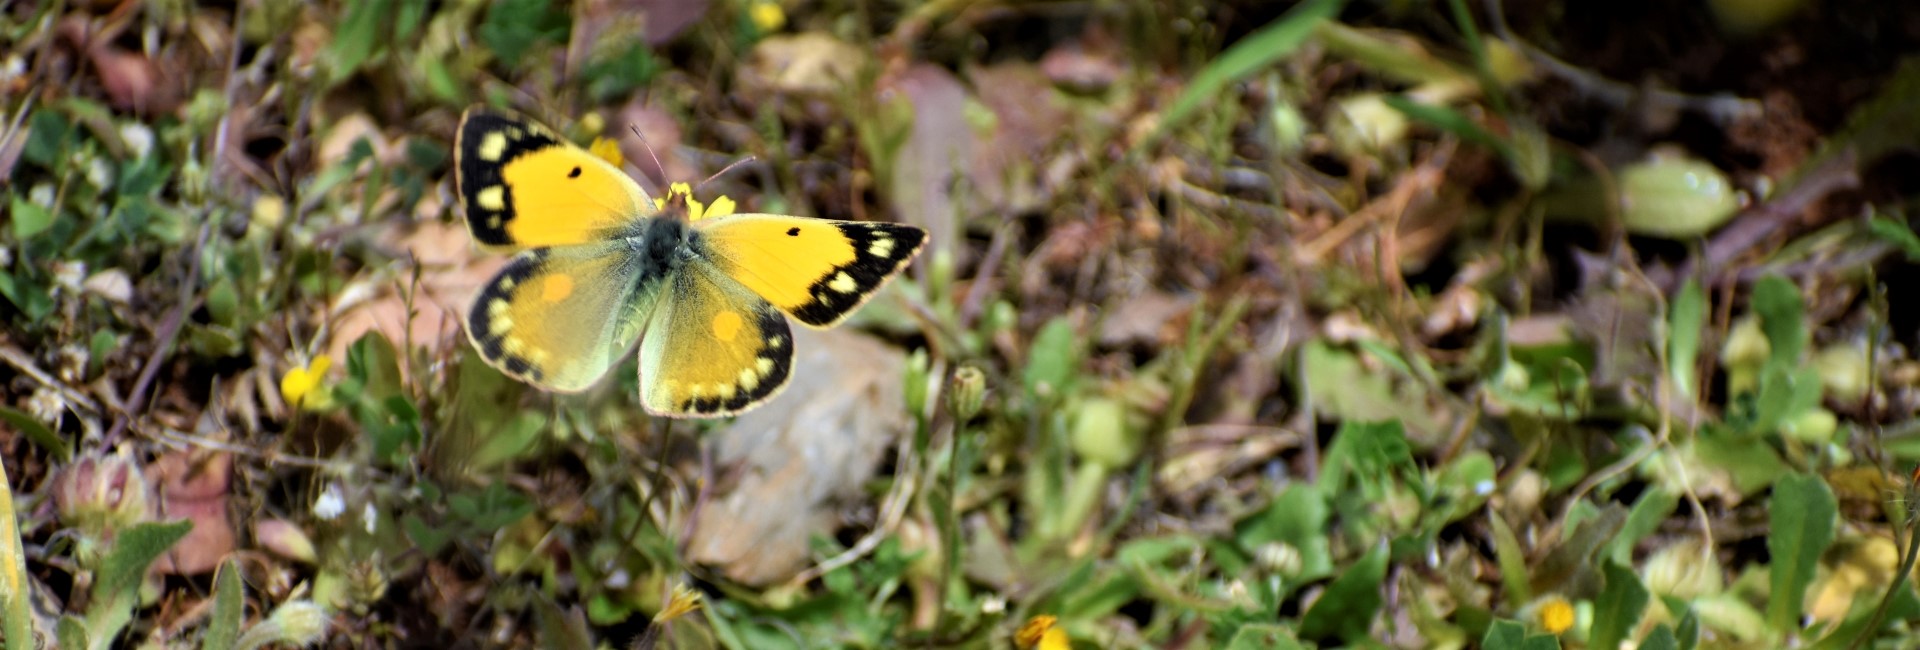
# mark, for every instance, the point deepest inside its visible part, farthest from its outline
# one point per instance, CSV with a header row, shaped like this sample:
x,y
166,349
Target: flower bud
x,y
285,540
968,393
99,494
296,623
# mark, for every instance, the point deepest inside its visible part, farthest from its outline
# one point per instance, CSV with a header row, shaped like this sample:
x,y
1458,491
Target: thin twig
x,y
169,330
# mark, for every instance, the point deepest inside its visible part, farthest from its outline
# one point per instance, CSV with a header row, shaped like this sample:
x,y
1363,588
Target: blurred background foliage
x,y
1244,324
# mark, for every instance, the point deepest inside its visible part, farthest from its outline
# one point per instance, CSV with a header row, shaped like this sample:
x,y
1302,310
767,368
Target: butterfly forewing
x,y
523,186
816,270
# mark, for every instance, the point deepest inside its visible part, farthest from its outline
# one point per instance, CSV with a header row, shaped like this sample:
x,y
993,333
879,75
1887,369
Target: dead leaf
x,y
194,485
1143,319
937,149
810,63
1028,119
449,278
818,442
1089,64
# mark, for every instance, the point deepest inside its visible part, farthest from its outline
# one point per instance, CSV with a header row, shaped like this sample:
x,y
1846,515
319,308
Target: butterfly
x,y
600,265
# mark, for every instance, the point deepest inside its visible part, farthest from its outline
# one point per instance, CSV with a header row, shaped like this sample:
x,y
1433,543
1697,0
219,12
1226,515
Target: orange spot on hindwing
x,y
556,288
726,325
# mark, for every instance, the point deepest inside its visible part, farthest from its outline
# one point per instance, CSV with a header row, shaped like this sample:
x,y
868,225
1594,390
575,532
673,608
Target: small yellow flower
x,y
696,210
1040,633
1554,614
683,602
306,387
767,16
607,149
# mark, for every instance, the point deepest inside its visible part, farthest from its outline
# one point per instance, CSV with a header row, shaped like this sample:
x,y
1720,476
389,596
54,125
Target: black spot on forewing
x,y
474,173
867,272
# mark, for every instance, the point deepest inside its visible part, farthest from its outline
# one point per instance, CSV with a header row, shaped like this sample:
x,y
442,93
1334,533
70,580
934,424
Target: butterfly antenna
x,y
724,170
657,167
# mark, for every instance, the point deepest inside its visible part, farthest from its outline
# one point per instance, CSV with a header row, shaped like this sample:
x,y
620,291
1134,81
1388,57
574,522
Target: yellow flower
x,y
1554,614
684,601
607,149
696,210
1040,633
306,387
767,16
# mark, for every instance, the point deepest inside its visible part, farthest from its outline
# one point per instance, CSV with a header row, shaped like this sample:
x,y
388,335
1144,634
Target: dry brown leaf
x,y
938,148
194,486
1143,319
450,277
816,443
811,63
1089,64
1028,119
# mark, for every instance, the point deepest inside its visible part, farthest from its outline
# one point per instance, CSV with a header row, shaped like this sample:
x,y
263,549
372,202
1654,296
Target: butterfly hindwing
x,y
524,186
557,318
712,347
816,270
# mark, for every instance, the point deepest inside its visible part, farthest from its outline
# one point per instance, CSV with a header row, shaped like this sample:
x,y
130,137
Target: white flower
x,y
69,275
45,405
368,518
99,173
138,137
330,504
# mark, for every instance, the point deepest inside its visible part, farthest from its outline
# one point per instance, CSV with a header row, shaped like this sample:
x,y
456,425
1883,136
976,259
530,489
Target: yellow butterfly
x,y
601,263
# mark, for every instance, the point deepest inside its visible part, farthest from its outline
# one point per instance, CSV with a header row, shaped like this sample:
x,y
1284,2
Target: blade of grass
x,y
1258,50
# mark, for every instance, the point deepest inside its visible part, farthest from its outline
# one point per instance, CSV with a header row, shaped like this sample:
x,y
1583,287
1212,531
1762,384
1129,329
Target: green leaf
x,y
229,608
361,34
1258,50
1263,636
1686,319
1661,638
1801,521
38,432
72,633
1688,631
1298,518
621,71
1511,635
1652,508
1618,607
117,587
1346,610
1053,360
1512,560
561,630
513,27
1897,233
29,219
48,140
1783,318
1451,121
16,612
1504,635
